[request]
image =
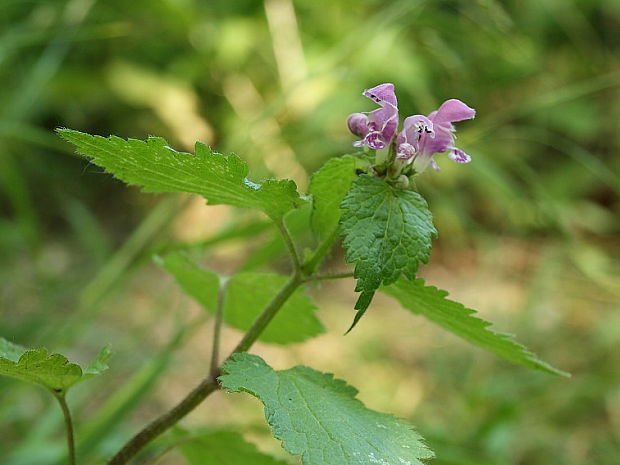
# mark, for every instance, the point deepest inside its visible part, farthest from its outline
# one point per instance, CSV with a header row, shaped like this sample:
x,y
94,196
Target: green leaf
x,y
432,303
199,283
328,186
224,448
248,293
387,231
319,418
246,296
158,168
52,371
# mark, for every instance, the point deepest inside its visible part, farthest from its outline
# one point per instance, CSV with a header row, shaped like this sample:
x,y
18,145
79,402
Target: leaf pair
x,y
387,233
222,179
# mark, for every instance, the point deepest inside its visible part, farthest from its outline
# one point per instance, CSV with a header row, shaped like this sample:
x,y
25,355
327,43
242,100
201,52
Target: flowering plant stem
x,y
217,327
68,426
302,273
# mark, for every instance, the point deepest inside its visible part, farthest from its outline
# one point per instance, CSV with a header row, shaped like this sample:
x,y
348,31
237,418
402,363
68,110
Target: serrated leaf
x,y
224,448
328,186
387,232
53,371
158,168
432,303
318,417
248,293
199,283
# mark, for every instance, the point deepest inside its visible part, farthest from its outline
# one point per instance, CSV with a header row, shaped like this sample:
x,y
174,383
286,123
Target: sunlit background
x,y
529,231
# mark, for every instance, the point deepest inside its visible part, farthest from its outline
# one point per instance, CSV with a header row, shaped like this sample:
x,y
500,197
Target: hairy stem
x,y
68,426
161,424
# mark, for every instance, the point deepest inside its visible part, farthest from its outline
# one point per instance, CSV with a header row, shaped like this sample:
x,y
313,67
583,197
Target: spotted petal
x,y
385,119
444,138
377,128
414,127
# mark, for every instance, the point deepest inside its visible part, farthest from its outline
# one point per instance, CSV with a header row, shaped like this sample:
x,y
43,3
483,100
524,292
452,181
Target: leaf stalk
x,y
290,244
217,327
68,426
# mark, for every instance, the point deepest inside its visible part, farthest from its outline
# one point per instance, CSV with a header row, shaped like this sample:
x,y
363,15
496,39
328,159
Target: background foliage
x,y
528,232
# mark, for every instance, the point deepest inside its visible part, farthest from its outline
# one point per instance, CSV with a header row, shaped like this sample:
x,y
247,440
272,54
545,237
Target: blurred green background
x,y
529,231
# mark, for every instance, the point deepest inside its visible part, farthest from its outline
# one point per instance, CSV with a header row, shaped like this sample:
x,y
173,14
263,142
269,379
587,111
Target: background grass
x,y
528,231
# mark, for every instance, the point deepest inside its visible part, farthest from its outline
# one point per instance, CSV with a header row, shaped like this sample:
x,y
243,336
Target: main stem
x,y
301,273
68,426
161,424
270,311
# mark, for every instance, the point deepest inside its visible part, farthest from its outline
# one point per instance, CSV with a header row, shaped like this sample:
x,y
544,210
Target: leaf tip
x,y
361,306
553,370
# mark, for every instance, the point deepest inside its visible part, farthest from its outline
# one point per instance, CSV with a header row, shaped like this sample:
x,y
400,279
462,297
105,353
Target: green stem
x,y
209,384
268,313
288,239
171,417
217,327
68,426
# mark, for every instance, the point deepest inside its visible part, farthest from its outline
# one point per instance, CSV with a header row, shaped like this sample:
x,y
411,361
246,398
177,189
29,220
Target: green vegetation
x,y
528,232
318,417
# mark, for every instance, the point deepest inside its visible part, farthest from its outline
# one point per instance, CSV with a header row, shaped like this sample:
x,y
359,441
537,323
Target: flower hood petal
x,y
377,128
383,94
451,111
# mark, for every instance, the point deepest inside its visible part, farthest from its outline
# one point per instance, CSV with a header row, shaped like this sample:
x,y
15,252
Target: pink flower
x,y
421,137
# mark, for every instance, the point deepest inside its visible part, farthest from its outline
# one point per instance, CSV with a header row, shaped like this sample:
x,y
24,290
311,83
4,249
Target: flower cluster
x,y
421,137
